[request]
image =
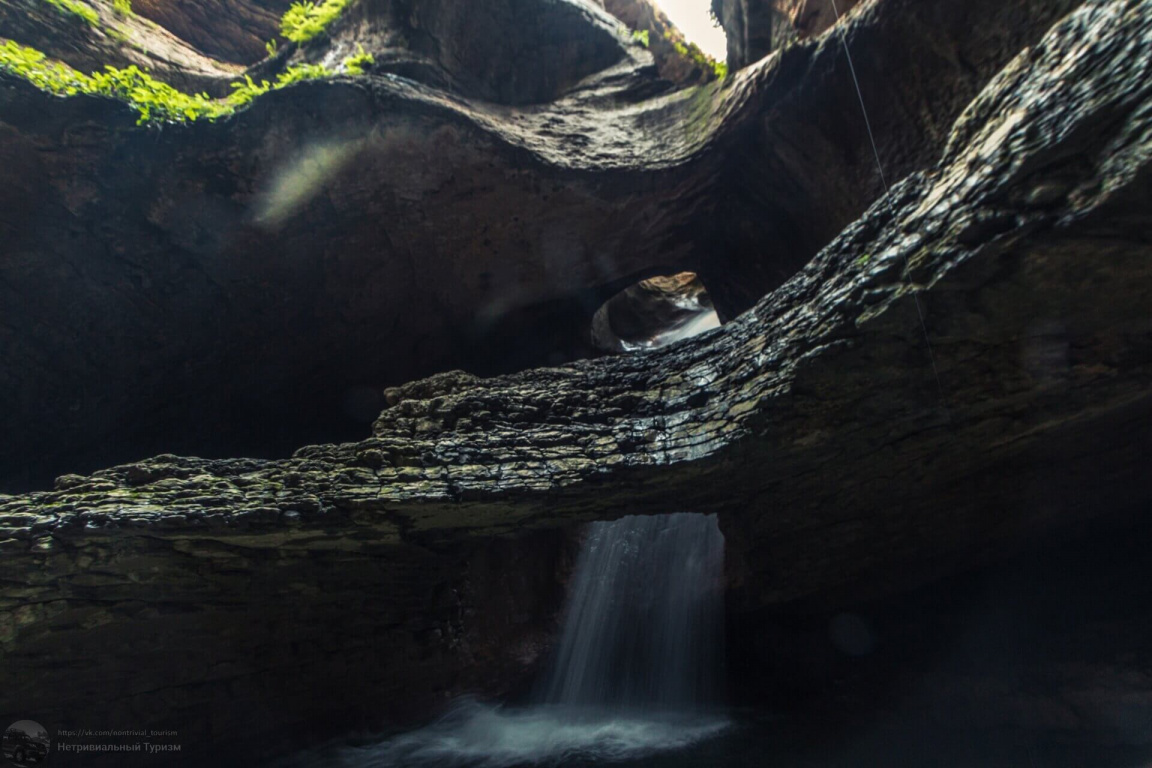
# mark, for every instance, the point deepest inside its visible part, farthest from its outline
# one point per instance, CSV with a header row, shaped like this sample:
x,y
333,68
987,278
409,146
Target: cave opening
x,y
654,313
697,20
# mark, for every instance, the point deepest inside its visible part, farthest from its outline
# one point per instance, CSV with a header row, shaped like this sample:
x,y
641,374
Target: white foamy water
x,y
644,624
474,735
636,670
697,324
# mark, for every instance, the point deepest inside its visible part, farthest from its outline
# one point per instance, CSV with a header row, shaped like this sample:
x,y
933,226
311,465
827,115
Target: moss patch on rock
x,y
156,102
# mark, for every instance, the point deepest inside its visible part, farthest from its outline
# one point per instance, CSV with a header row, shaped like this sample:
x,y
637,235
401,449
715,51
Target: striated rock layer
x,y
249,286
964,368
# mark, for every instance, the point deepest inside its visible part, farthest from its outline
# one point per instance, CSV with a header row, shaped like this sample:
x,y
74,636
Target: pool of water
x,y
474,735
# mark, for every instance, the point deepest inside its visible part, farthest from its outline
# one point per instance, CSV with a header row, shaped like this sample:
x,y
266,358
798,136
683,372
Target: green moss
x,y
298,73
123,7
243,92
32,65
156,102
77,10
354,65
305,20
692,52
641,36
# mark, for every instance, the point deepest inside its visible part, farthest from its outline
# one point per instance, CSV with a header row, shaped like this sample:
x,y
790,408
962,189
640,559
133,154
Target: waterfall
x,y
644,621
636,671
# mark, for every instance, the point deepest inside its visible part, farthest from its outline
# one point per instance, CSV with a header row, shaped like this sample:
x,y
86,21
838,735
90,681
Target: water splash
x,y
636,672
703,320
475,735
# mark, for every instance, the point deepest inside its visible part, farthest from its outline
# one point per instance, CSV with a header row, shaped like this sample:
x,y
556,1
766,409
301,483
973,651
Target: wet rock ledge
x,y
966,367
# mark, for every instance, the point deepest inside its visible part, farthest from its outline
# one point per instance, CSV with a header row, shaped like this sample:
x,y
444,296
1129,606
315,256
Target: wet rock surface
x,y
166,284
966,367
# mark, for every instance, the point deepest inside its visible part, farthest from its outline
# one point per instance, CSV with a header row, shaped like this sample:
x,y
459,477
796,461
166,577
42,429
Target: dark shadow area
x,y
1041,655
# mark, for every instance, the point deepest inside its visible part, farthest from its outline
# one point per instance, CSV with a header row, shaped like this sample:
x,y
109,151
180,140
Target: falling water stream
x,y
636,671
642,628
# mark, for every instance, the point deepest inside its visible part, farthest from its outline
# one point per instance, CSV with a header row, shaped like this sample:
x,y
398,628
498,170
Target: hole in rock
x,y
695,19
654,313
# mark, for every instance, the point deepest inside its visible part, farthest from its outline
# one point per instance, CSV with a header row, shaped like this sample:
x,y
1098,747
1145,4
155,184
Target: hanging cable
x,y
884,183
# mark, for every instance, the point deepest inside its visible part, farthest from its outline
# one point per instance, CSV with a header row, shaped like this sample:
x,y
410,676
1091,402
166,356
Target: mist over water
x,y
475,735
644,621
637,668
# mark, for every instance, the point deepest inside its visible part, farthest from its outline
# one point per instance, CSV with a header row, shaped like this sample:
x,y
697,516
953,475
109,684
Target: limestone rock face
x,y
115,39
965,367
234,31
167,284
755,28
502,51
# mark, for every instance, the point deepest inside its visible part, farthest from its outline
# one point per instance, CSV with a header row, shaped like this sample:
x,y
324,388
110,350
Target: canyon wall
x,y
910,383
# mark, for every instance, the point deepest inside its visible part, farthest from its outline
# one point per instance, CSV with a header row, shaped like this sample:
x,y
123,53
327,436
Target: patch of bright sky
x,y
691,16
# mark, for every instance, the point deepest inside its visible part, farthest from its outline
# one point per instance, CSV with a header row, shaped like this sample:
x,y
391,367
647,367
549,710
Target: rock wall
x,y
272,642
1038,655
234,32
794,183
503,51
756,28
115,39
168,283
963,370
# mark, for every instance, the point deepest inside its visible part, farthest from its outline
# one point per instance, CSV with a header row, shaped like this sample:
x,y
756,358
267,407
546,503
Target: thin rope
x,y
884,182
